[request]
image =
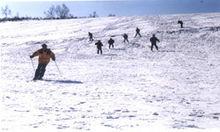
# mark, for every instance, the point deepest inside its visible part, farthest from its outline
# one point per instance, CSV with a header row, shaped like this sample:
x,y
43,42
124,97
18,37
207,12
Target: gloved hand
x,y
31,56
53,59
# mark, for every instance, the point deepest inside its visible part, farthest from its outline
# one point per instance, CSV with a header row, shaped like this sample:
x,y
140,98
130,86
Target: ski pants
x,y
39,73
91,39
99,49
137,34
152,45
111,45
126,40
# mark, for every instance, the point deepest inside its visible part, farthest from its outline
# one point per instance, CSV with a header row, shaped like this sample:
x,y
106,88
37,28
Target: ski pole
x,y
58,68
32,64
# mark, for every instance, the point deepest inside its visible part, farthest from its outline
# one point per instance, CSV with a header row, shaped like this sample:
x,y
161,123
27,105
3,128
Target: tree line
x,y
54,12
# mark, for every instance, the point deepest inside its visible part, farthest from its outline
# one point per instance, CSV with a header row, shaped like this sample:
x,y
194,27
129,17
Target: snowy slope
x,y
128,88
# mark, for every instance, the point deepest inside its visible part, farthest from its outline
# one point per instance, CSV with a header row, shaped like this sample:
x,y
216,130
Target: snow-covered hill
x,y
128,88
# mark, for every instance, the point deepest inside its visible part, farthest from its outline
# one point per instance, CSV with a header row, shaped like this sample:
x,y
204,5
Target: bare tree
x,y
59,11
111,15
6,11
93,15
51,12
62,11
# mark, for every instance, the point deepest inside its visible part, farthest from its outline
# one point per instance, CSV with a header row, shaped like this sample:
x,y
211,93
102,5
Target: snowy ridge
x,y
128,88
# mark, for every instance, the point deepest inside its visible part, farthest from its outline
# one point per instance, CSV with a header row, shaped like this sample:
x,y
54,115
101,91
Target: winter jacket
x,y
99,44
180,22
154,40
90,35
111,41
44,55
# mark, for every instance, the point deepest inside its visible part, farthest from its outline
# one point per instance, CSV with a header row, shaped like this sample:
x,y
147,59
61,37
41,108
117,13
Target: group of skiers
x,y
99,44
45,54
153,39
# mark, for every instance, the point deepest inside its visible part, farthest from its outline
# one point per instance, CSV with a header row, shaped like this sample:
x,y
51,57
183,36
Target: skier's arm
x,y
52,56
158,40
36,53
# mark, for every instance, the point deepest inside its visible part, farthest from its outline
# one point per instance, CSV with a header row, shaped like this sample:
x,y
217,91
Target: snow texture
x,y
128,88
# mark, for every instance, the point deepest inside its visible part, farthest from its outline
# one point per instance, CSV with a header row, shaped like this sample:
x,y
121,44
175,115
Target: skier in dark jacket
x,y
99,46
154,41
125,36
44,58
111,43
90,36
181,23
137,32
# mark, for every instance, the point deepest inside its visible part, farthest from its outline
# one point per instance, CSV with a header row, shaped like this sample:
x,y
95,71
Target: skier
x,y
111,43
154,41
90,36
137,32
99,46
125,36
181,23
44,58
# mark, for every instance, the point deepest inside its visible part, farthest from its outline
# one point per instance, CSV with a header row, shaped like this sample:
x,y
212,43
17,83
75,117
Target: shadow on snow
x,y
64,81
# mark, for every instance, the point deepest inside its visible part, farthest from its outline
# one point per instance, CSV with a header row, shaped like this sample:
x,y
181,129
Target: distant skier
x,y
154,41
125,36
181,23
111,43
99,46
137,32
90,36
44,58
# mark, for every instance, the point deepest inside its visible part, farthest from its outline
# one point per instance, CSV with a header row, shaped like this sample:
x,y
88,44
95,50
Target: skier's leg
x,y
156,46
43,69
37,72
139,34
151,47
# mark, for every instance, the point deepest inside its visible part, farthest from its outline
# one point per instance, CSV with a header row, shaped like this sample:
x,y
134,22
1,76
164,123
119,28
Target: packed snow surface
x,y
128,88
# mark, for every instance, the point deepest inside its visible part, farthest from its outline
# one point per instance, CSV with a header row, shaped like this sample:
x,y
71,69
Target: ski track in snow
x,y
126,88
